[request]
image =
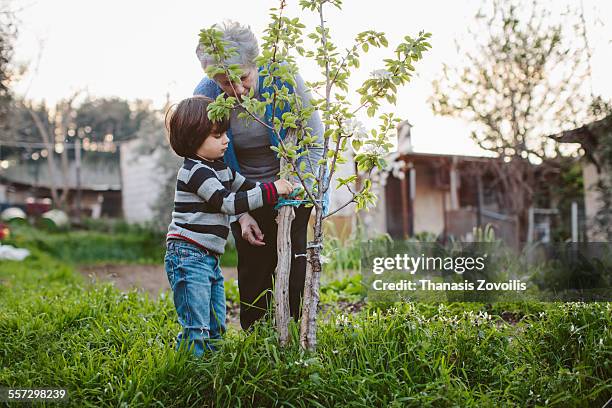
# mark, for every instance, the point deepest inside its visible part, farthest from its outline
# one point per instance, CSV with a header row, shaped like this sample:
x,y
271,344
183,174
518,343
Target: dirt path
x,y
147,278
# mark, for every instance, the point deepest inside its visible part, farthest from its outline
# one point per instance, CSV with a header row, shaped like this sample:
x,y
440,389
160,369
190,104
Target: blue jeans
x,y
199,297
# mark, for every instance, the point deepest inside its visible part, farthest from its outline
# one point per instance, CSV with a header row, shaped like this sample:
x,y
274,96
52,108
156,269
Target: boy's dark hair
x,y
188,125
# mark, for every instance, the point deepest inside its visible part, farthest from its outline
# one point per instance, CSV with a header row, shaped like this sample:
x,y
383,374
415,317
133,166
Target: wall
x,y
429,207
592,201
141,183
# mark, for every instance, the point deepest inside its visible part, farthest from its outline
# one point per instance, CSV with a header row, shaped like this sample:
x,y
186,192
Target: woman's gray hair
x,y
237,36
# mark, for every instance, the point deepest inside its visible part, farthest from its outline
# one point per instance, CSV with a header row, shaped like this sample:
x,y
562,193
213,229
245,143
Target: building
x,y
594,172
142,181
443,195
27,184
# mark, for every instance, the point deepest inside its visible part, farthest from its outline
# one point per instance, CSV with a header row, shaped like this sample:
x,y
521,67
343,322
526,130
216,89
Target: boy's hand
x,y
300,193
283,187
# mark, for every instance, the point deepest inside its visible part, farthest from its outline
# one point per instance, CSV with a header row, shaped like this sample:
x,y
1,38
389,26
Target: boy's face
x,y
214,146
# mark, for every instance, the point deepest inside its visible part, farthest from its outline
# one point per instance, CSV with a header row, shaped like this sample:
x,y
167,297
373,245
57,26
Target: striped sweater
x,y
207,193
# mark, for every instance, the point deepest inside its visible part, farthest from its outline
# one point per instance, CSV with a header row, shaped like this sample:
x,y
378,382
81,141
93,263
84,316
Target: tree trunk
x,y
61,128
308,328
284,220
63,112
50,158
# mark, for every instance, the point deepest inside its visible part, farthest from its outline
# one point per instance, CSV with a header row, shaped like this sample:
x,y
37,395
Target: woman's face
x,y
247,81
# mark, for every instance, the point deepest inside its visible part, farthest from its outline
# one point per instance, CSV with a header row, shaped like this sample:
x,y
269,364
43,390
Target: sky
x,y
141,49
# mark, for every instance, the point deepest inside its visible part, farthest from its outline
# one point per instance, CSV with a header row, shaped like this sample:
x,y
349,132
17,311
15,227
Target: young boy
x,y
207,193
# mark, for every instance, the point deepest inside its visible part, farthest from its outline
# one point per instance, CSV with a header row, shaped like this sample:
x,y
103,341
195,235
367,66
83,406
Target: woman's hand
x,y
250,230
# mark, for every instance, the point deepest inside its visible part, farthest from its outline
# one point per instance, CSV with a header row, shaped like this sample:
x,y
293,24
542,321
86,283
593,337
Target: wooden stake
x,y
285,218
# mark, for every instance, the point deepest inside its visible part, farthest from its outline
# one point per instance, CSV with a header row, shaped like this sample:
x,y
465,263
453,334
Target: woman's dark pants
x,y
256,265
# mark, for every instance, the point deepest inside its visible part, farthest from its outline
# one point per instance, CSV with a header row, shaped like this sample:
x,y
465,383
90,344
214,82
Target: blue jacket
x,y
209,88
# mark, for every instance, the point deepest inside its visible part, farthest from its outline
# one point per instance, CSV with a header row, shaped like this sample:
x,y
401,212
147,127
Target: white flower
x,y
380,74
354,127
397,169
373,149
484,315
383,179
342,320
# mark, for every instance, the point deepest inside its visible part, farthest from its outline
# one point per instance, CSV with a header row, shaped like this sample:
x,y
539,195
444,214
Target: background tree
x,y
8,34
523,78
97,118
283,37
49,133
37,131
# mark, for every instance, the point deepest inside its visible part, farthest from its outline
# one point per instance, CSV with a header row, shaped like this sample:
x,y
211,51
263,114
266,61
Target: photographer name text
x,y
404,263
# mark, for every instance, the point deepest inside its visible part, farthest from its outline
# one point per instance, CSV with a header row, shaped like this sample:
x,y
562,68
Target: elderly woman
x,y
249,152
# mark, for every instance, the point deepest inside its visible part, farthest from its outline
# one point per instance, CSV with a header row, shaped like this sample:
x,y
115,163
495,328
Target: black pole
x,y
77,154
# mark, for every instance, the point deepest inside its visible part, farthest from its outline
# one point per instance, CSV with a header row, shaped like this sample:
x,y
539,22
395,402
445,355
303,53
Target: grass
x,y
94,342
113,349
117,243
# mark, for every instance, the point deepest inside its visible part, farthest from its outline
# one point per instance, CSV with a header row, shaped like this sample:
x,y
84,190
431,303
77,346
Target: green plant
x,y
486,234
348,289
110,349
139,245
232,294
341,255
